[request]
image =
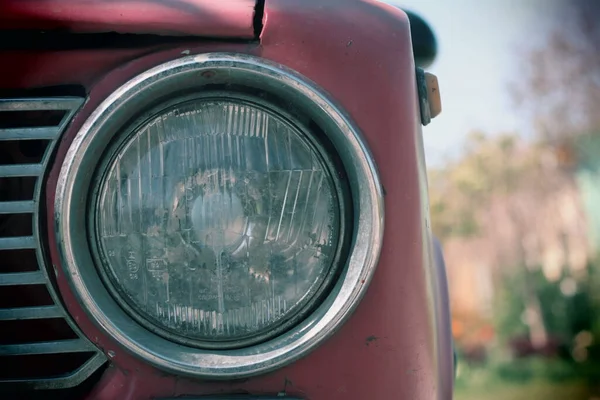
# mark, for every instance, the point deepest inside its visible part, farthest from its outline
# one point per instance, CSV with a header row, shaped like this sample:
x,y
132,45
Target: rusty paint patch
x,y
286,383
227,19
371,339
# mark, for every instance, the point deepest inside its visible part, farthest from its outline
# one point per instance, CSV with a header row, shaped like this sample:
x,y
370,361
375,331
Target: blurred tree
x,y
509,187
517,205
560,84
509,197
560,91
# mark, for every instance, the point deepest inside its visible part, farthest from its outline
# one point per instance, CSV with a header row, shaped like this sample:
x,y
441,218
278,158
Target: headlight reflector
x,y
217,220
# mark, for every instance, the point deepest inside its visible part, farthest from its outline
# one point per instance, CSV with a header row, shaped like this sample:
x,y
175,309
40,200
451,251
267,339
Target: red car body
x,y
397,344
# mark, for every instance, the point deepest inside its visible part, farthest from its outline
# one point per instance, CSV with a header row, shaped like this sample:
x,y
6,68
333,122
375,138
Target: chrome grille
x,y
28,300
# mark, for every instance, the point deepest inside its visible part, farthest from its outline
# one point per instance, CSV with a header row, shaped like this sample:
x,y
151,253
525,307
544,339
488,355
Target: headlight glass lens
x,y
217,220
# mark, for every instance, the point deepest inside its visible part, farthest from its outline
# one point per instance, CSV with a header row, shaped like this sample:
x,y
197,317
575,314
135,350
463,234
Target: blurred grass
x,y
530,378
530,391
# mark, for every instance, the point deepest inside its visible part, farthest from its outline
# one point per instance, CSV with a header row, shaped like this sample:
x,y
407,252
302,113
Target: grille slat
x,y
22,278
33,323
29,133
69,380
17,207
15,243
20,170
21,313
54,347
41,104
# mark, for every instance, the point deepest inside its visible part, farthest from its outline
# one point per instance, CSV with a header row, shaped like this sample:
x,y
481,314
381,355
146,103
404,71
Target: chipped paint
x,y
371,339
230,19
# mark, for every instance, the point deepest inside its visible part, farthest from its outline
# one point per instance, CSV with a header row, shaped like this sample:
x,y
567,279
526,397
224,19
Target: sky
x,y
479,45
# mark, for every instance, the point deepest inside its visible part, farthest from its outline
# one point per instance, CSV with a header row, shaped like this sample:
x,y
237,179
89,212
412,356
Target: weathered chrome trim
x,y
189,74
17,207
21,170
54,347
16,243
40,312
47,133
39,277
69,104
22,278
66,381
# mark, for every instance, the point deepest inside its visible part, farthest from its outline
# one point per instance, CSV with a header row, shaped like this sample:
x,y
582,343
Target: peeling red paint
x,y
231,18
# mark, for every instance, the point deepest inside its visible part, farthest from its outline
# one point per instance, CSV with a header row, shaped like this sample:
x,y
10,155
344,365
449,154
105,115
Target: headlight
x,y
217,222
218,216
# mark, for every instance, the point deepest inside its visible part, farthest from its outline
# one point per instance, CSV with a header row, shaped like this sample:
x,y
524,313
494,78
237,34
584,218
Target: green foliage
x,y
490,167
560,92
508,309
564,315
534,390
521,371
537,368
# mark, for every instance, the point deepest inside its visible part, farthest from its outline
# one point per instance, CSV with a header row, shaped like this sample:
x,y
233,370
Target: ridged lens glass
x,y
217,220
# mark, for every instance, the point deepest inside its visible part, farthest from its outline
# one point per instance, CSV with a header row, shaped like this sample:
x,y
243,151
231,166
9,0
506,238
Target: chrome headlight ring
x,y
183,76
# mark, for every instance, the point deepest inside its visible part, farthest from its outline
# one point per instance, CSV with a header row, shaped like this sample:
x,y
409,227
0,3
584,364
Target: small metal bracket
x,y
429,96
423,100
